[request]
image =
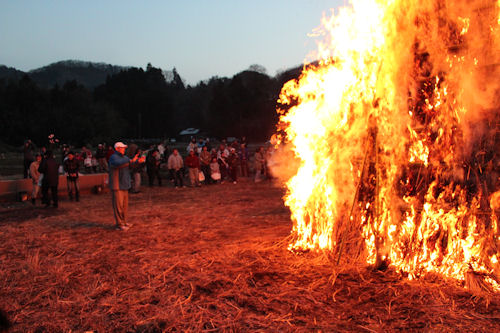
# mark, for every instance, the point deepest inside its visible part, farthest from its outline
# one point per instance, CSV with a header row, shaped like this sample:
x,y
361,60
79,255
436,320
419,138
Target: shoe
x,y
122,227
234,182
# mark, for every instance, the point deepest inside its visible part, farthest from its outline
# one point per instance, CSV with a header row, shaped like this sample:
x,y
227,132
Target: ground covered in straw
x,y
207,259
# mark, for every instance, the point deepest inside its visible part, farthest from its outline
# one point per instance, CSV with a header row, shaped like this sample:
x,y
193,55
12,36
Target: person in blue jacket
x,y
119,183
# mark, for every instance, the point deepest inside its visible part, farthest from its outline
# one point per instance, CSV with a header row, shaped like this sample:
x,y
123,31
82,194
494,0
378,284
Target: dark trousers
x,y
103,164
73,186
223,171
178,175
206,172
244,168
152,174
233,172
27,164
45,195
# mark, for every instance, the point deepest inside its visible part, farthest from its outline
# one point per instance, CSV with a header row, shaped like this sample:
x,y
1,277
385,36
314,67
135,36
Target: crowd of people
x,y
203,164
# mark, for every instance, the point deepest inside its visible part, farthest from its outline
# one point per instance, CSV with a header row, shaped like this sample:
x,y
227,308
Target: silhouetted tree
x,y
139,103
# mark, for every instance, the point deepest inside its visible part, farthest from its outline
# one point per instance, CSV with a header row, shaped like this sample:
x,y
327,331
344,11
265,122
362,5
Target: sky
x,y
200,38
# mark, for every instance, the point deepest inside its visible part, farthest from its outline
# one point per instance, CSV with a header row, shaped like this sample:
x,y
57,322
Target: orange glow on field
x,y
388,131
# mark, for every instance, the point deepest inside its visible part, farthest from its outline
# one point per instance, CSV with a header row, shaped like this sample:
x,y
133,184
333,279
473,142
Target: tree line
x,y
140,103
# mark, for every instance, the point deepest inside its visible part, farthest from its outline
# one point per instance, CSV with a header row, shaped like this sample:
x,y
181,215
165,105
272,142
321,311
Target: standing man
x,y
260,165
136,171
28,149
50,170
175,165
153,167
233,162
222,155
119,183
72,167
243,155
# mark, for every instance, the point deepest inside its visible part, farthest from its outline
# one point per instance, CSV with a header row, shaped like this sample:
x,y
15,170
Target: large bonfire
x,y
393,131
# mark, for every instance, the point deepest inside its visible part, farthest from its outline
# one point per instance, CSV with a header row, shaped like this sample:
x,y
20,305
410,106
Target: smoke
x,y
283,163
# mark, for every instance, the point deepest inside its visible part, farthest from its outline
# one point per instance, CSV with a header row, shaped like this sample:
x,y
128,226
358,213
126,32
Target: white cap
x,y
120,144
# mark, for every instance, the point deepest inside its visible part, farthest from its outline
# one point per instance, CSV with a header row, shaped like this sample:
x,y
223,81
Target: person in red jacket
x,y
193,163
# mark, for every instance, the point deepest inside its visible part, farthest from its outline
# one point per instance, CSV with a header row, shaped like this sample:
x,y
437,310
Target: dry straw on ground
x,y
208,259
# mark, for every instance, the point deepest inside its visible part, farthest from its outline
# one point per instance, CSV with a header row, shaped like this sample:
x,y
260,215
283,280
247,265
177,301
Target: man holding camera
x,y
119,183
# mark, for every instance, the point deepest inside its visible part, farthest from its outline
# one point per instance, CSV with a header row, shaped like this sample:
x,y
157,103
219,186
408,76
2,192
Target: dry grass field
x,y
206,259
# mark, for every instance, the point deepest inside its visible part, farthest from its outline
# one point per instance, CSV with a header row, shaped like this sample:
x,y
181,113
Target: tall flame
x,y
386,128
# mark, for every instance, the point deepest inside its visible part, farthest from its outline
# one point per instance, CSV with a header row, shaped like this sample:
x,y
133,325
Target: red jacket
x,y
192,161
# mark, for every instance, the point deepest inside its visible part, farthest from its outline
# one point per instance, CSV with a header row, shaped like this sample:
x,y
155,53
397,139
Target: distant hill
x,y
93,74
10,73
89,74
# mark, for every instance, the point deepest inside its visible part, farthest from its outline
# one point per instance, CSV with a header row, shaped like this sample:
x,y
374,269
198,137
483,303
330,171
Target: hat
x,y
120,144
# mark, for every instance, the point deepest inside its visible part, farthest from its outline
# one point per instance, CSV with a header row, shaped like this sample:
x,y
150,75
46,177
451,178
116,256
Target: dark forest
x,y
135,103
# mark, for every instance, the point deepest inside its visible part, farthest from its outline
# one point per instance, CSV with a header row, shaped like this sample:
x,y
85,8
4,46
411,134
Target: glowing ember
x,y
392,133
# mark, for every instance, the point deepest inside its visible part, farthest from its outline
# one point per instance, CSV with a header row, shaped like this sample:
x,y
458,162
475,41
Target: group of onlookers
x,y
92,163
42,168
202,165
44,171
97,162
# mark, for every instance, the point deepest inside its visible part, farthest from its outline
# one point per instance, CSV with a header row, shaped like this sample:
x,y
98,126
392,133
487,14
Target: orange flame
x,y
383,126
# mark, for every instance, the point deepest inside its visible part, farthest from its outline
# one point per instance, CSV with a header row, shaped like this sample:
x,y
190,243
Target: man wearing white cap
x,y
119,183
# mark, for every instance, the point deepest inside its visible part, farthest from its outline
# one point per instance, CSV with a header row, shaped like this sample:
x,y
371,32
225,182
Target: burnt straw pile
x,y
395,140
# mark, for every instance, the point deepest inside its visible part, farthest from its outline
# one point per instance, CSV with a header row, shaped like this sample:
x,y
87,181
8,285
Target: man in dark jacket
x,y
50,170
153,167
233,162
28,149
71,166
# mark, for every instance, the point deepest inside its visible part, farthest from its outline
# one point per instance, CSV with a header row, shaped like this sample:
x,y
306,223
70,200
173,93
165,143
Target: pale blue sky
x,y
200,38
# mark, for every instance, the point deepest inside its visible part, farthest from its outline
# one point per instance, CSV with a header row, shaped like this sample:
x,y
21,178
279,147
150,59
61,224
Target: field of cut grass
x,y
204,259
